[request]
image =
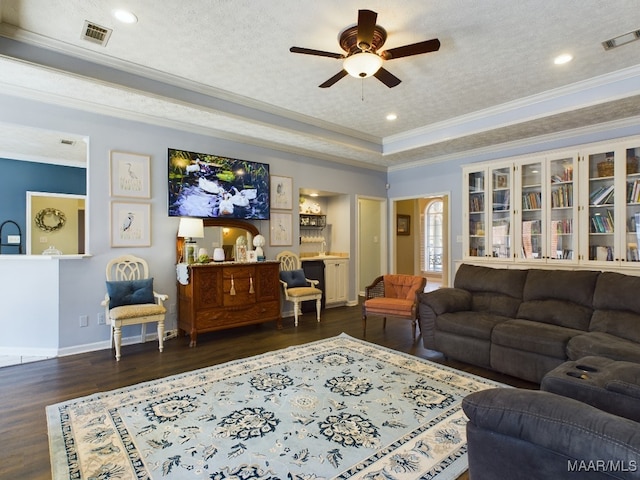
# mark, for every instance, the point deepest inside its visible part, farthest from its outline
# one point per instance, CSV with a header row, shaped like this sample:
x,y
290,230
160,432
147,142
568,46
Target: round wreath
x,y
58,215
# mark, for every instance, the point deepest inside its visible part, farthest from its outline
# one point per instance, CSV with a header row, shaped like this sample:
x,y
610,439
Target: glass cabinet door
x,y
561,214
477,214
501,212
632,212
601,209
532,225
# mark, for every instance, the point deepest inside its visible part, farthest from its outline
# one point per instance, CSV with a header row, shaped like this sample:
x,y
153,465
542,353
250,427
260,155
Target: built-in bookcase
x,y
575,207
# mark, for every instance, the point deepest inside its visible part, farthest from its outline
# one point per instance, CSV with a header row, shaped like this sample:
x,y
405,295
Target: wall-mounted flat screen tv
x,y
211,186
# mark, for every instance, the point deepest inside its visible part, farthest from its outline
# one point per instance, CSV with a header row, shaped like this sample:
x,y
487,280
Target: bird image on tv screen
x,y
210,186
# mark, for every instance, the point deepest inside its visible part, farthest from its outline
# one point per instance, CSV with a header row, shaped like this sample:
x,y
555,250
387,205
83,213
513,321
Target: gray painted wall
x,y
82,281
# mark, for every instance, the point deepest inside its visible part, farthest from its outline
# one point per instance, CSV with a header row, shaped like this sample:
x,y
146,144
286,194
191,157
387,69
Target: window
x,y
432,252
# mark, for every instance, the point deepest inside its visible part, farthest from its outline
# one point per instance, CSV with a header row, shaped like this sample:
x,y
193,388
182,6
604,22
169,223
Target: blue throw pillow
x,y
294,278
130,292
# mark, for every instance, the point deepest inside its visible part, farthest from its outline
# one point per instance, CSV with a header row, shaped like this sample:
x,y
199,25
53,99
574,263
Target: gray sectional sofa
x,y
525,323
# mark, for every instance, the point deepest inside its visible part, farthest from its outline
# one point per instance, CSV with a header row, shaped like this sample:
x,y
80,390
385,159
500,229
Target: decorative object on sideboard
x,y
218,254
189,229
259,242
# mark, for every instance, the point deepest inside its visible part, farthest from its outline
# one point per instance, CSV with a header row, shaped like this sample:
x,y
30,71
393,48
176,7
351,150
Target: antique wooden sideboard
x,y
228,294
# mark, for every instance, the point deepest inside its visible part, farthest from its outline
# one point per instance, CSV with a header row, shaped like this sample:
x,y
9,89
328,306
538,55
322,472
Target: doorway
x,y
372,244
422,239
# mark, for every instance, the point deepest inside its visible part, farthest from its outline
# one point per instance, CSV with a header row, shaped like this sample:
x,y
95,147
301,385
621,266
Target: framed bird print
x,y
281,192
129,175
281,224
130,224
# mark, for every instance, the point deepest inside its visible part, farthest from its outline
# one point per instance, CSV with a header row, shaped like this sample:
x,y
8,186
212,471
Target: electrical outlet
x,y
172,308
44,239
101,319
84,320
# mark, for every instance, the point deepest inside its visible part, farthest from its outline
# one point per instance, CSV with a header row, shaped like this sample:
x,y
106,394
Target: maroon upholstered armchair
x,y
393,295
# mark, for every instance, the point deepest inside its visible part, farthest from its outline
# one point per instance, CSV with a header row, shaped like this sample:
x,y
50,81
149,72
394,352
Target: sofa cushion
x,y
615,291
469,324
559,297
494,280
618,323
540,338
573,286
556,312
389,306
604,345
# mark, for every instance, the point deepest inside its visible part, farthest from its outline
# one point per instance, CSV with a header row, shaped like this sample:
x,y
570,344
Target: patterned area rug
x,y
332,409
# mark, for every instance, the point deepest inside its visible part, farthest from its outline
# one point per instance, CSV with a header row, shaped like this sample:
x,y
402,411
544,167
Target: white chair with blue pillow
x,y
296,287
131,300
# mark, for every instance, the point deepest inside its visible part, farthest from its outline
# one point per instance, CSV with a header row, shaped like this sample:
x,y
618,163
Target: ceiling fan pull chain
x,y
362,90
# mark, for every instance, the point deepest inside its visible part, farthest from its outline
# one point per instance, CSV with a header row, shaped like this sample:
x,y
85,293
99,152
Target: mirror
x,y
56,224
223,233
32,159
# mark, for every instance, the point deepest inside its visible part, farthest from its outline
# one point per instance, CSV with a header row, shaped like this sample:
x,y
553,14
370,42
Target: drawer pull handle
x,y
232,291
251,290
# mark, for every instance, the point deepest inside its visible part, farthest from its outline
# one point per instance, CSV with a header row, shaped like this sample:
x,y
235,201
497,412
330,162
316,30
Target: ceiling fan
x,y
362,60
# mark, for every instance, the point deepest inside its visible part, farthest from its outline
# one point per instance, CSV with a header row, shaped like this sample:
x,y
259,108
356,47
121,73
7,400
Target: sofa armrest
x,y
563,425
447,300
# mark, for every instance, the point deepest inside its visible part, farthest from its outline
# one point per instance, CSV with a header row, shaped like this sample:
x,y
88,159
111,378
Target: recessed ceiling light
x,y
313,194
392,116
125,16
562,59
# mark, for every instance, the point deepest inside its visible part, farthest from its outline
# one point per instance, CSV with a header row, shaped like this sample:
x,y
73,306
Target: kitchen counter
x,y
324,257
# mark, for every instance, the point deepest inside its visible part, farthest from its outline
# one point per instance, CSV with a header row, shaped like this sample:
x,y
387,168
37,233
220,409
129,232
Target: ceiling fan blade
x,y
386,77
320,53
341,74
427,46
366,26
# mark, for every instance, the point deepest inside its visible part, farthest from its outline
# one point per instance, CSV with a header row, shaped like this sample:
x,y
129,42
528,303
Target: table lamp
x,y
189,229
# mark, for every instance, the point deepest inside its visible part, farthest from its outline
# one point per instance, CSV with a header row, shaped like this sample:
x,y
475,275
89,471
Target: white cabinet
x,y
336,280
611,198
545,216
579,207
489,215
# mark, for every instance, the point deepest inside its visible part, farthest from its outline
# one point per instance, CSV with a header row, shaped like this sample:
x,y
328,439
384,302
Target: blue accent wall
x,y
17,177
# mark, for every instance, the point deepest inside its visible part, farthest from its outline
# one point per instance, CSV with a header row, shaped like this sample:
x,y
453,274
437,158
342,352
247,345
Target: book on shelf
x,y
601,195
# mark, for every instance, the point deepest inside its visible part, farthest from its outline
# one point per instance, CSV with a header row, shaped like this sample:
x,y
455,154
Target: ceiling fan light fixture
x,y
362,65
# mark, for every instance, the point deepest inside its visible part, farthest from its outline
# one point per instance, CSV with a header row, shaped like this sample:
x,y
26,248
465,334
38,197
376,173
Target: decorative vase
x,y
218,255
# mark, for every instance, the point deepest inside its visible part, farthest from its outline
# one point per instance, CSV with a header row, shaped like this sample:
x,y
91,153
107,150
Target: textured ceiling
x,y
492,81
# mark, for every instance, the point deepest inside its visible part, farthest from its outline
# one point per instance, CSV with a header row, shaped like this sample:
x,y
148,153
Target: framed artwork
x,y
130,175
281,229
130,224
281,192
252,256
403,224
241,253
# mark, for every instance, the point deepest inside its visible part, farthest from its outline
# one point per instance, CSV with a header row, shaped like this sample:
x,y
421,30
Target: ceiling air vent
x,y
64,141
94,33
621,40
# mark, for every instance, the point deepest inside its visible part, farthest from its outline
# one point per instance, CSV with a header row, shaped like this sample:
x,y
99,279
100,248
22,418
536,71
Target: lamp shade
x,y
191,228
362,65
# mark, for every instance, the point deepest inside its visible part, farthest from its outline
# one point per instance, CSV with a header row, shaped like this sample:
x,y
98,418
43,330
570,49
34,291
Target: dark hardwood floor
x,y
27,389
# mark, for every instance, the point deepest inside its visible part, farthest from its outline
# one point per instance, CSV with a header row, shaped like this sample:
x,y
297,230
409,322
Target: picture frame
x,y
281,192
281,229
403,224
241,253
130,224
129,175
252,256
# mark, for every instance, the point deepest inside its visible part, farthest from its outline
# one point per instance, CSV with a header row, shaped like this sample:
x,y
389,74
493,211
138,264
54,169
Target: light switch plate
x,y
13,239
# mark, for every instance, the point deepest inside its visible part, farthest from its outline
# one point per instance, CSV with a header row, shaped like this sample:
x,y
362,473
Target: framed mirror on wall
x,y
43,161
